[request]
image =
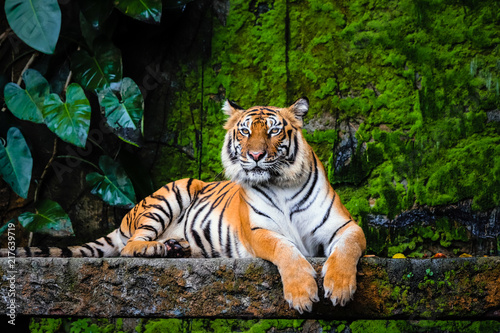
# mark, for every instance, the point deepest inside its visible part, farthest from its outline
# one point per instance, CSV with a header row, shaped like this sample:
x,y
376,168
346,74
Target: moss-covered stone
x,y
410,86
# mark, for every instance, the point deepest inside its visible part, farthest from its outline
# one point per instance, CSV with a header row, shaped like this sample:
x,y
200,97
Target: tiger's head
x,y
264,144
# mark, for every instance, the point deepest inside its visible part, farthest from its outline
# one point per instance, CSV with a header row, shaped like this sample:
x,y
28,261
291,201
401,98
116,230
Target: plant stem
x,y
54,151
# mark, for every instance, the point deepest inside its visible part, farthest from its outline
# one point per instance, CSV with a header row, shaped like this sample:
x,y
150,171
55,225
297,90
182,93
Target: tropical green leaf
x,y
124,113
144,10
50,219
27,104
103,69
70,120
88,31
36,22
16,162
114,186
7,225
96,11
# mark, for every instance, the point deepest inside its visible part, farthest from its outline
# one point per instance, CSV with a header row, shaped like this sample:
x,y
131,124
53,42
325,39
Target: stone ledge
x,y
461,288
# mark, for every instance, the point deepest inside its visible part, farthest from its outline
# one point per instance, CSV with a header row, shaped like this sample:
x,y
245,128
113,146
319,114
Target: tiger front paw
x,y
339,280
144,249
178,248
300,288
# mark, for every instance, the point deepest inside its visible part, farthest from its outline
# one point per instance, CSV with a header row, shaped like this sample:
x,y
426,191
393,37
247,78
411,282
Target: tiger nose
x,y
256,155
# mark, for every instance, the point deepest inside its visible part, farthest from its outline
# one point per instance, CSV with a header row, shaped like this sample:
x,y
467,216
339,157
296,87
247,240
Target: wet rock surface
x,y
240,288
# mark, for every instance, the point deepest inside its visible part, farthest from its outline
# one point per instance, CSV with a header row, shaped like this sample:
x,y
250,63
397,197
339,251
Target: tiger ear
x,y
300,108
231,107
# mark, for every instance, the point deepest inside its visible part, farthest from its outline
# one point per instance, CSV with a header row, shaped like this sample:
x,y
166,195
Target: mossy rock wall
x,y
404,108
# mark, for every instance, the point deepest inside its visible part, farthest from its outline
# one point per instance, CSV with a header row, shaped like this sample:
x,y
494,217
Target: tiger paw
x,y
300,288
339,280
178,248
144,249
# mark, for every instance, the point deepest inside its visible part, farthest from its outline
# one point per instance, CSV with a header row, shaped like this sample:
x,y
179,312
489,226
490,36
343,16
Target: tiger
x,y
277,205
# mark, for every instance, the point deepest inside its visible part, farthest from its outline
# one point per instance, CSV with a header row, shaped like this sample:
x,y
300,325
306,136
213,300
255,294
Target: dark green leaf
x,y
7,225
114,187
126,113
103,69
175,3
96,11
144,10
16,162
36,22
27,104
70,120
50,219
88,31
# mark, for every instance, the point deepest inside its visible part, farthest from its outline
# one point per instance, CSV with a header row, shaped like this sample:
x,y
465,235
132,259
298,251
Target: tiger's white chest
x,y
292,213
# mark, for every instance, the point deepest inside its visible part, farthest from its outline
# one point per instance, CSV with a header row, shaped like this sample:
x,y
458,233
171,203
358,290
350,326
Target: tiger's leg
x,y
298,276
340,269
151,218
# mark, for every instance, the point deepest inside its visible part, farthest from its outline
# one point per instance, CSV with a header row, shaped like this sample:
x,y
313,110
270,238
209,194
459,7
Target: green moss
x,y
84,325
446,235
418,82
45,325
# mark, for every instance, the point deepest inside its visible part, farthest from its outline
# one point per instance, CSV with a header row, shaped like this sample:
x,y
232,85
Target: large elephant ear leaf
x,y
113,186
96,12
100,70
27,104
36,22
145,10
70,120
16,163
50,219
124,115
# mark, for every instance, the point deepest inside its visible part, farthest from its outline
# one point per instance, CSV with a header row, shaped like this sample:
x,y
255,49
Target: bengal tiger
x,y
278,206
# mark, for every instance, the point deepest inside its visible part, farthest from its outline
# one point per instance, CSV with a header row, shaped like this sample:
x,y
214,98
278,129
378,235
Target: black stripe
x,y
255,228
315,179
123,234
188,187
325,218
258,211
271,110
267,197
109,241
43,251
155,217
223,187
169,214
178,196
100,254
150,228
228,247
66,253
198,242
98,243
28,251
302,188
221,216
335,233
90,249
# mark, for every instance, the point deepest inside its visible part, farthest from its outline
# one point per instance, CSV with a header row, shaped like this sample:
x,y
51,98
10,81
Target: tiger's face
x,y
265,144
